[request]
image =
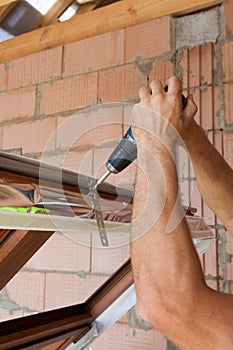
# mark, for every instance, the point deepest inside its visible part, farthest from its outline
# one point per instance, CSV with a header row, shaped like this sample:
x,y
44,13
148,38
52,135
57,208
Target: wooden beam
x,y
105,19
17,250
5,2
54,12
87,7
4,10
36,331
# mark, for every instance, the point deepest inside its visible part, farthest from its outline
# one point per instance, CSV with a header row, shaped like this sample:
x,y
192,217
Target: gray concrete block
x,y
199,28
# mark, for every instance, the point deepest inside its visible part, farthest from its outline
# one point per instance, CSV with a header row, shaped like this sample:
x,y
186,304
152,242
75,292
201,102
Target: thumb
x,y
191,108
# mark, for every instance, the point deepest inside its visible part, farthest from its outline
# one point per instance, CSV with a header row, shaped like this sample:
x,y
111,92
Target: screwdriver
x,y
124,154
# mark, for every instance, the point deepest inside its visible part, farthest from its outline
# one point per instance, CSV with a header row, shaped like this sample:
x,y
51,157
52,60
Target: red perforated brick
x,y
127,116
228,101
31,137
123,336
229,245
3,77
206,54
32,285
228,148
148,39
227,57
63,252
217,107
35,68
218,135
99,52
91,128
52,158
229,15
184,65
17,104
120,84
77,160
66,289
69,94
110,259
197,99
80,161
207,117
210,265
194,67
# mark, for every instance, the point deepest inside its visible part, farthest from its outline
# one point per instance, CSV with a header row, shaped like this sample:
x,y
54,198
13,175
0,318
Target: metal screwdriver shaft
x,y
102,179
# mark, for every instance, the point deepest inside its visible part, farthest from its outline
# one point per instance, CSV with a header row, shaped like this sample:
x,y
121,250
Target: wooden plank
x,y
17,250
4,10
119,15
5,2
4,234
89,6
37,331
54,12
69,323
111,290
58,345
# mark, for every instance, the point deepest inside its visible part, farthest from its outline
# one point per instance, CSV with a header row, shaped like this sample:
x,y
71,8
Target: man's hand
x,y
167,101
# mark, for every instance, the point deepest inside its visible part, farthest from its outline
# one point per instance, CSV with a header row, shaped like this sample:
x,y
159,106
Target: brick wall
x,y
67,106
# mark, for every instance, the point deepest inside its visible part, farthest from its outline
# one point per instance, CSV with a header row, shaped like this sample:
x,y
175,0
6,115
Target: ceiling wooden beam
x,y
4,10
6,2
87,7
105,19
55,12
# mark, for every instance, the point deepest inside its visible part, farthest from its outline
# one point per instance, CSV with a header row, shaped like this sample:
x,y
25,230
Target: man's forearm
x,y
161,259
171,292
213,174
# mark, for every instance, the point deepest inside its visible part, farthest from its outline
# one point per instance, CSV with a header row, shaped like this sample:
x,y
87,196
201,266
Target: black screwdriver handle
x,y
124,154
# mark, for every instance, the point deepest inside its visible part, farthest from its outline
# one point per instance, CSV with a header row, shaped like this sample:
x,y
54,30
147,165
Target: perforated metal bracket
x,y
98,213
